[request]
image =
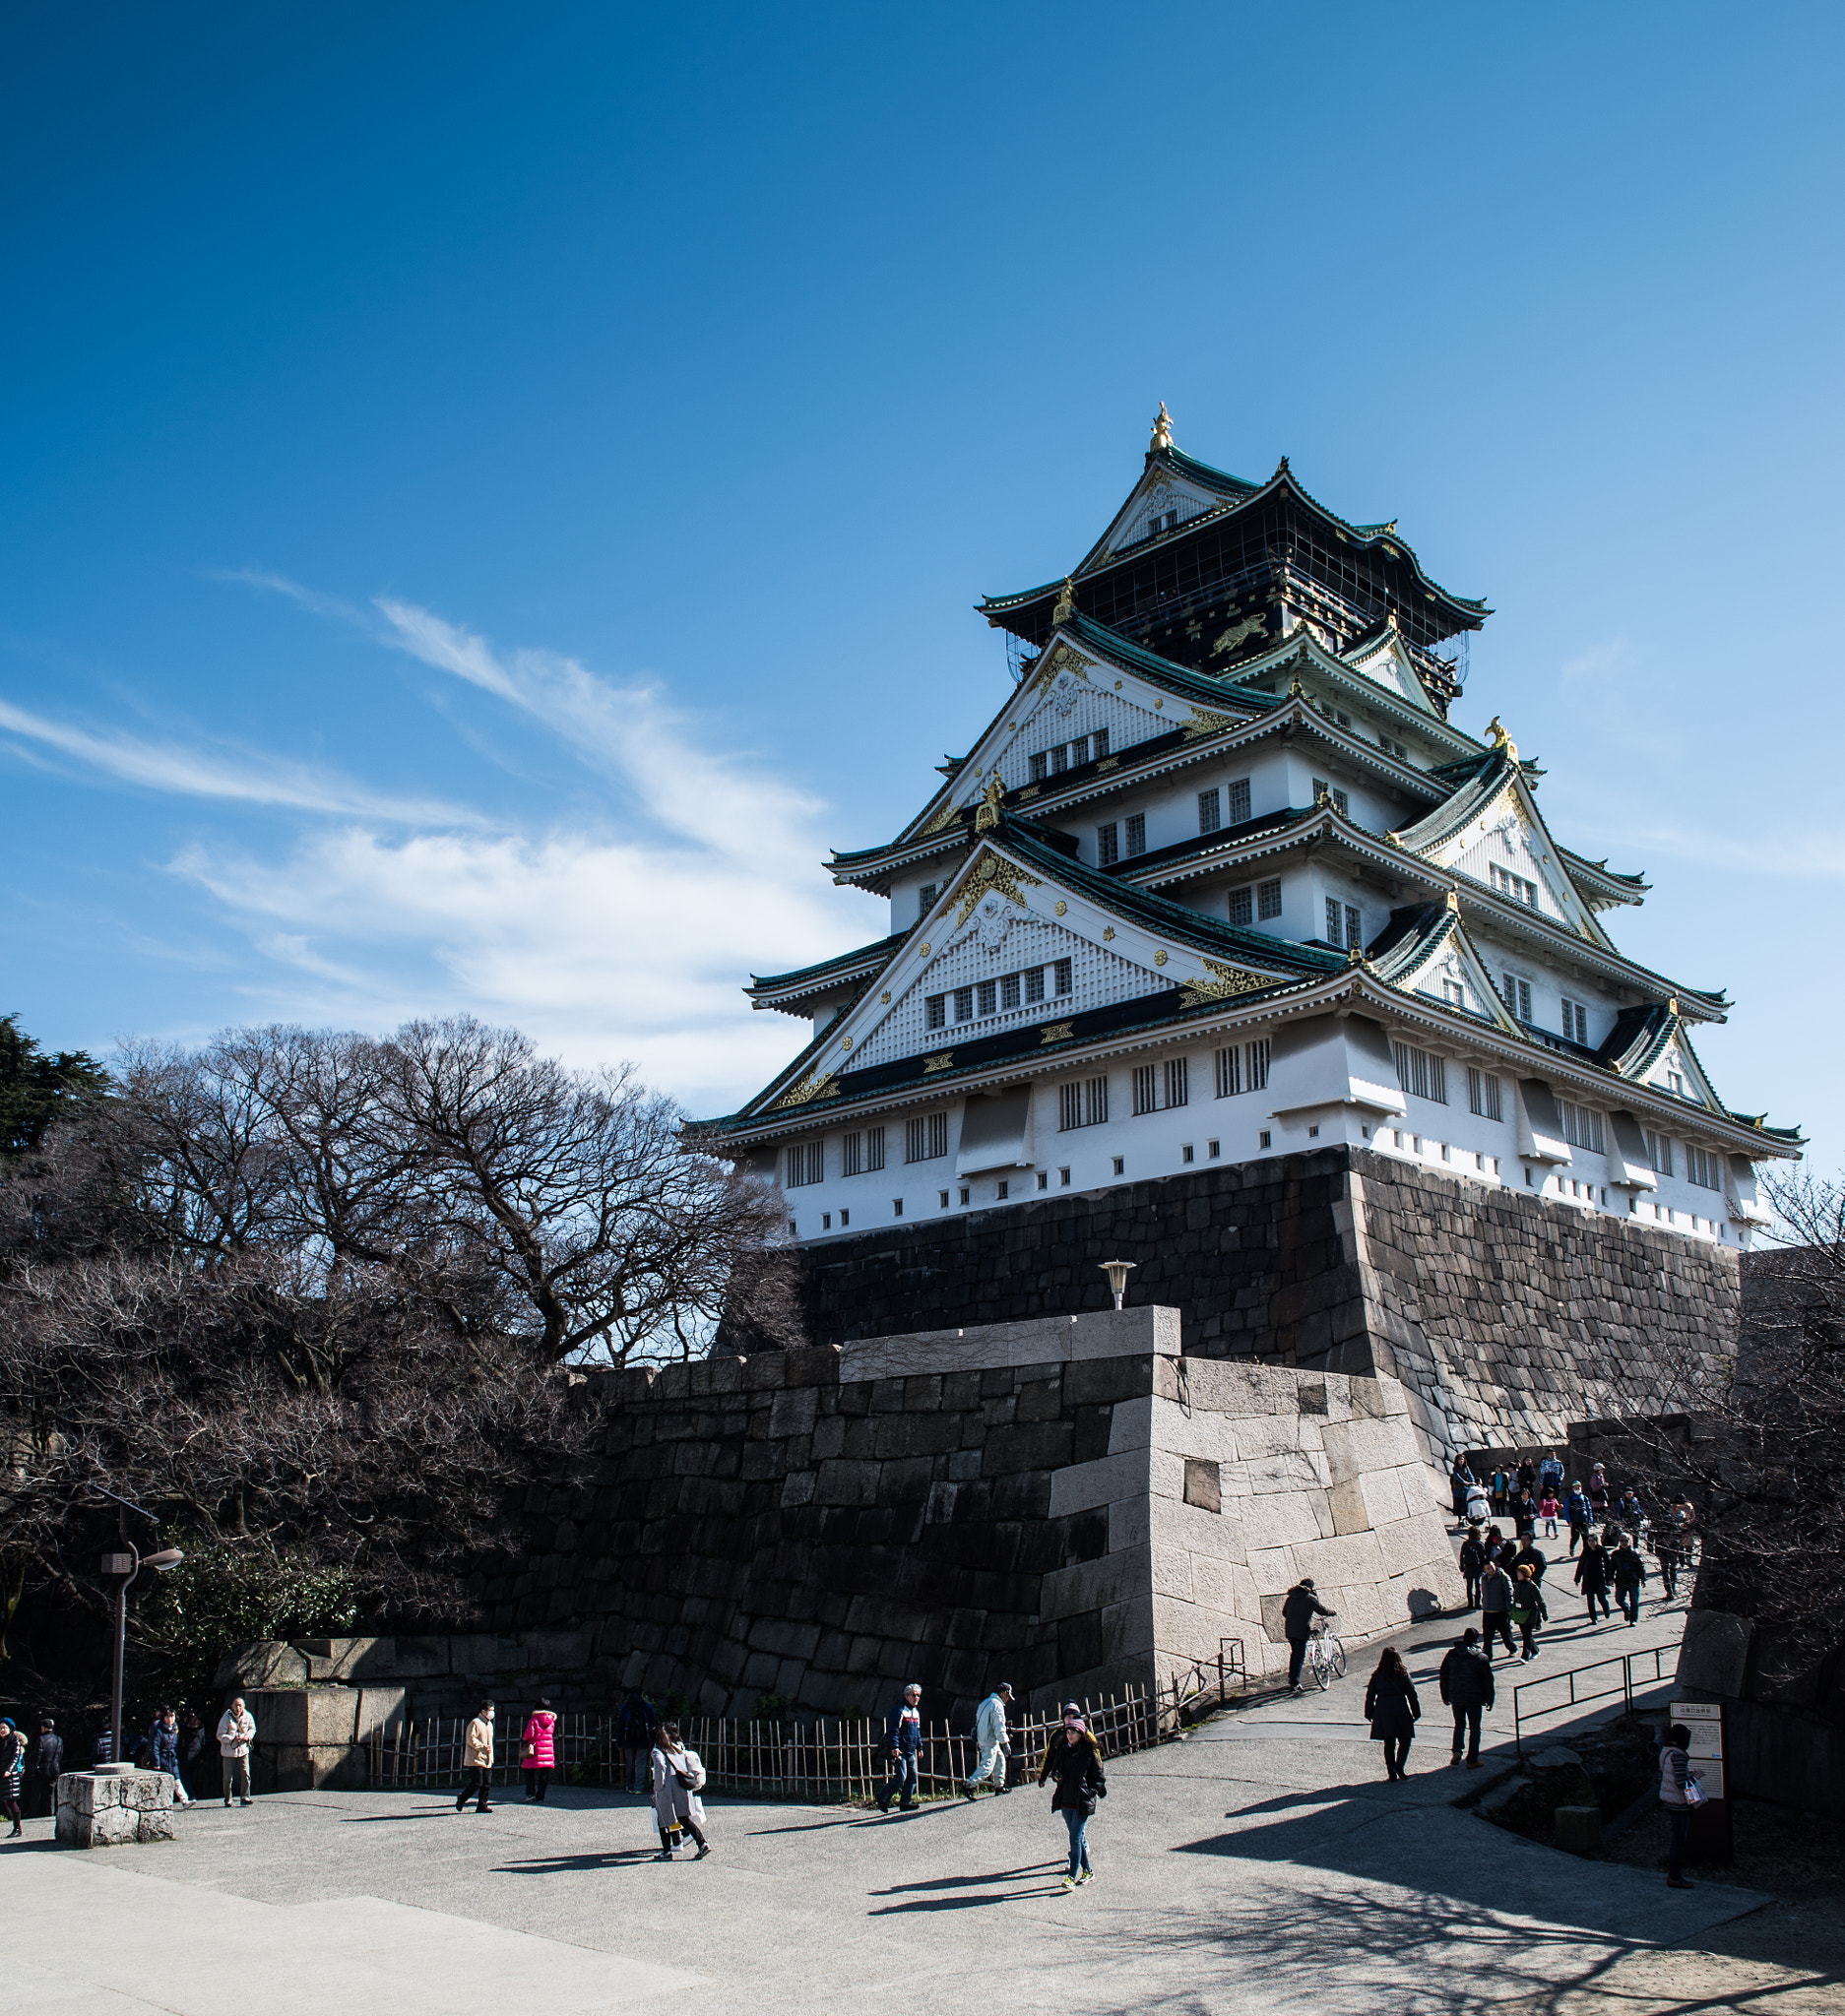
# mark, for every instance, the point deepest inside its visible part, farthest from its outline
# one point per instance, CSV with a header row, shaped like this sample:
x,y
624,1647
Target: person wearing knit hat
x,y
1074,1760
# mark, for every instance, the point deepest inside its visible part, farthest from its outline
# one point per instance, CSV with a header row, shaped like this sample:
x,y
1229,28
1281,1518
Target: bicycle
x,y
1325,1659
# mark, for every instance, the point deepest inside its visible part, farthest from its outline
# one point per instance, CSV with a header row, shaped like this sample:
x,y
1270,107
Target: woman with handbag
x,y
539,1750
1680,1792
1074,1760
679,1779
1393,1711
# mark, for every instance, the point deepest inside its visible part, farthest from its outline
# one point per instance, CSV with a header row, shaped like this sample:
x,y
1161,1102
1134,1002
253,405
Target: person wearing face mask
x,y
478,1762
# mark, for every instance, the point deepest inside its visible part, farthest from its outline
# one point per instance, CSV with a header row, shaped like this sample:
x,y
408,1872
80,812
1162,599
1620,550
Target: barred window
x,y
1334,921
1146,1088
1037,768
874,1148
1582,1126
1518,996
1422,1073
925,898
964,1004
1061,968
1517,888
1035,984
1108,844
1575,1022
925,1138
1483,1094
1177,1081
806,1163
937,1006
1702,1167
1082,1103
1099,744
988,991
1256,1061
1268,900
1243,905
1210,810
1240,801
1227,1072
1060,760
1659,1153
1136,833
852,1154
1009,991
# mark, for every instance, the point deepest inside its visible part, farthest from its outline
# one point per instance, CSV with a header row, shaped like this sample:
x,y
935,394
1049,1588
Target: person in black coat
x,y
42,1779
1075,1761
1592,1576
1467,1687
1391,1706
1300,1607
1473,1566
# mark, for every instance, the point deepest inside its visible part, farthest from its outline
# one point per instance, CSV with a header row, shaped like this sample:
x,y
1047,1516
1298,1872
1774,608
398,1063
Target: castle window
x,y
1179,1084
1340,802
1060,760
925,1139
1035,984
852,1154
1422,1072
937,1007
806,1163
1061,968
1262,1140
1079,751
1136,834
1210,810
1576,1022
1064,1179
1582,1126
1659,1153
1518,996
1243,905
874,1148
1146,1088
1099,744
1037,768
1255,1062
1185,1153
1213,1149
1344,925
1702,1168
925,898
1227,1072
1238,801
1009,991
1454,993
1108,844
988,996
1082,1103
1674,1083
1268,900
964,1004
1483,1094
1515,888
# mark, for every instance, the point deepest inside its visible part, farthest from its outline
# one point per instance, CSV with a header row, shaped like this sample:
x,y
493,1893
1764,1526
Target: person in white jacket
x,y
679,1779
236,1731
994,1744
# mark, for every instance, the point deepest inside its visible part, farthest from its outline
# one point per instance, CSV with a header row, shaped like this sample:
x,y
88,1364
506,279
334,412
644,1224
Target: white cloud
x,y
235,775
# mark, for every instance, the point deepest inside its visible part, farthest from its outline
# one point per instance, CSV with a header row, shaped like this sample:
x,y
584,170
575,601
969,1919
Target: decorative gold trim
x,y
1158,958
1030,791
948,814
1162,430
1065,659
1107,933
1108,763
845,1043
992,802
817,1084
885,997
923,950
1058,1033
1061,907
941,1063
1226,982
1204,722
1066,605
990,872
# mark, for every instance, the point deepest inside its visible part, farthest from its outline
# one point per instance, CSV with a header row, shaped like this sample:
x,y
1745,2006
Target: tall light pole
x,y
127,1562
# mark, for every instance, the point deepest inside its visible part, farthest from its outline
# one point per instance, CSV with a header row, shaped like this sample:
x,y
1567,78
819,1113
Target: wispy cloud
x,y
245,777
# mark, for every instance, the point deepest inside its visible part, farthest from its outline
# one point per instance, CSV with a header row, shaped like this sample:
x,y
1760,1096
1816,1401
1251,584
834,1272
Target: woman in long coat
x,y
539,1747
679,1779
1393,1711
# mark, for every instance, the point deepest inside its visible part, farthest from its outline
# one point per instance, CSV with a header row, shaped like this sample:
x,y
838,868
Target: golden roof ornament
x,y
1066,603
991,800
1162,432
1500,740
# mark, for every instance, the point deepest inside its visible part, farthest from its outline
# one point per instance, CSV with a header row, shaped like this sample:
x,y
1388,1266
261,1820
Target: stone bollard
x,y
1579,1829
104,1808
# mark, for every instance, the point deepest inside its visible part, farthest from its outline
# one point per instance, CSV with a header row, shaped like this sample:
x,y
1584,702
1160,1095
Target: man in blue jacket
x,y
904,1740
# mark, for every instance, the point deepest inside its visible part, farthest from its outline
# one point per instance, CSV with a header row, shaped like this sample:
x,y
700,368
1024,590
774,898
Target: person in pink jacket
x,y
539,1752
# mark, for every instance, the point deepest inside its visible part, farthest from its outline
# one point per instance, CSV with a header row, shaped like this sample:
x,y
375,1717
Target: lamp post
x,y
1118,1272
127,1562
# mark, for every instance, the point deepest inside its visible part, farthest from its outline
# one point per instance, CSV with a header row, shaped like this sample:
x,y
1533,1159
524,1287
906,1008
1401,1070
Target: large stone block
x,y
263,1663
110,1810
1079,1486
1093,1584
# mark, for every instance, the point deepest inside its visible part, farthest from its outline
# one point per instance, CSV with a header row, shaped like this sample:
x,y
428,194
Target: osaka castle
x,y
1221,880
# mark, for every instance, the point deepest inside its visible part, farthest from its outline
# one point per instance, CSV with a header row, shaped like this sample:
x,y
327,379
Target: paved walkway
x,y
1261,1865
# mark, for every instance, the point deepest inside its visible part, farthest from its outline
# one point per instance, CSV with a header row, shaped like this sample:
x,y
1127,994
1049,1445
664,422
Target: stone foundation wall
x,y
1504,1315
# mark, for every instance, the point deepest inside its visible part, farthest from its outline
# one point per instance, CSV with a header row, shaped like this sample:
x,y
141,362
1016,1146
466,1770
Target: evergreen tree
x,y
35,1089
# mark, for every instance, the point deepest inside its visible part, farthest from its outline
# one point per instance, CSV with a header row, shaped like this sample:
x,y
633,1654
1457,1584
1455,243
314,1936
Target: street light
x,y
128,1565
1118,1272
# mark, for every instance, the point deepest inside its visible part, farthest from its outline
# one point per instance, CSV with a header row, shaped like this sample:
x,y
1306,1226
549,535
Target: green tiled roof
x,y
879,948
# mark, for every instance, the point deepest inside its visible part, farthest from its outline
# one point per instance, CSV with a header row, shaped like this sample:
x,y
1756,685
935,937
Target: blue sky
x,y
493,494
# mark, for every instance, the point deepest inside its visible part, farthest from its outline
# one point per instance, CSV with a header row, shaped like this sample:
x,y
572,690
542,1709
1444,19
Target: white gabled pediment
x,y
996,925
1159,502
1457,976
1387,664
1679,1074
1505,847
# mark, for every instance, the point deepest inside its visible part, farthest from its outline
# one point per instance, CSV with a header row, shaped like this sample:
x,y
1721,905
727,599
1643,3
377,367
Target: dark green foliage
x,y
35,1089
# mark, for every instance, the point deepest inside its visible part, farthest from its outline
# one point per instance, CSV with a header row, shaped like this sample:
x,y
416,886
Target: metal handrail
x,y
1623,1687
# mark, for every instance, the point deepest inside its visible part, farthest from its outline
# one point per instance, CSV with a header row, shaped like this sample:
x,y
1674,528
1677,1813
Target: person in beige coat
x,y
478,1762
236,1731
679,1779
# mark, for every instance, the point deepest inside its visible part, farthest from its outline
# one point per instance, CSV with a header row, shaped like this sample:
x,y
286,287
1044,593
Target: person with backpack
x,y
1392,1709
1528,1609
1579,1514
1074,1760
1300,1607
903,1744
1473,1566
539,1750
1674,1795
1592,1576
1478,1505
1466,1682
993,1743
1495,1607
635,1725
679,1779
1550,1473
1627,1571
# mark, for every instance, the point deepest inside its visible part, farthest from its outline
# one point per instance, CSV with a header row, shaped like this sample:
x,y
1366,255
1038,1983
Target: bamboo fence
x,y
826,1761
